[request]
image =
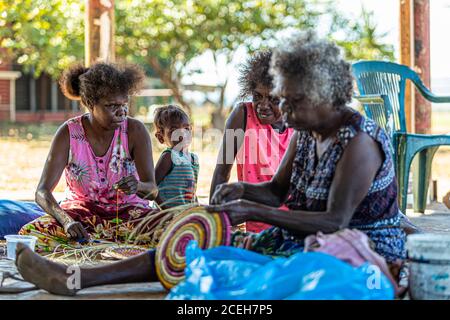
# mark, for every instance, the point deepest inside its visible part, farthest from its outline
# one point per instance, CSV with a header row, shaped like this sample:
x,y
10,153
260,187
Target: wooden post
x,y
43,99
422,63
99,31
74,105
407,56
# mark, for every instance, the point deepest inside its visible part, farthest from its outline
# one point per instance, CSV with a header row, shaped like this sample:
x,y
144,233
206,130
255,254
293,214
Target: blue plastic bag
x,y
228,273
15,214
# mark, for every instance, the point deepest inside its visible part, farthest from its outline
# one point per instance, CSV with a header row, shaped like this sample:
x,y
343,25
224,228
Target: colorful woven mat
x,y
209,230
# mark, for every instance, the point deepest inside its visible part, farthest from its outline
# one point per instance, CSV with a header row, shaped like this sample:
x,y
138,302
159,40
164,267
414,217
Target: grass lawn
x,y
23,150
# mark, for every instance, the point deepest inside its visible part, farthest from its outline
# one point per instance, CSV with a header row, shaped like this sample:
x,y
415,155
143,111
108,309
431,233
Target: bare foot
x,y
43,273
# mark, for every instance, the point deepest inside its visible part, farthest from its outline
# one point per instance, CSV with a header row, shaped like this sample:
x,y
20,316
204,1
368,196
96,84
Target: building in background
x,y
24,98
8,79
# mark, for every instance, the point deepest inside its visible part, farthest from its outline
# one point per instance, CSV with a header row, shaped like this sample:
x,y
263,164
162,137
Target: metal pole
x,y
54,96
12,100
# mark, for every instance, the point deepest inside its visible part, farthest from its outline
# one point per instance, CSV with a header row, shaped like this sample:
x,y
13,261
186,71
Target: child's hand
x,y
128,185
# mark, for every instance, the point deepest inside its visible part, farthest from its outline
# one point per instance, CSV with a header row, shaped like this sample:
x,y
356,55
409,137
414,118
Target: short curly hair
x,y
165,115
255,71
100,80
318,66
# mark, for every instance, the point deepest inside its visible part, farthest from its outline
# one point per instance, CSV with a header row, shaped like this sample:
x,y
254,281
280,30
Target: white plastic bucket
x,y
13,240
429,277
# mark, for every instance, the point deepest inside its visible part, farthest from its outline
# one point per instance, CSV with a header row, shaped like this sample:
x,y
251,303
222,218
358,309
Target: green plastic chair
x,y
382,93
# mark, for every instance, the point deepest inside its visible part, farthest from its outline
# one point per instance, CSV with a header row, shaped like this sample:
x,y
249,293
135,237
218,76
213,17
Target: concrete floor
x,y
134,291
435,220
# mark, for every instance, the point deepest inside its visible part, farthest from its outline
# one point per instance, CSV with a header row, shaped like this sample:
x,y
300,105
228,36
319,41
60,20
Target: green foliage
x,y
179,30
165,35
42,35
362,41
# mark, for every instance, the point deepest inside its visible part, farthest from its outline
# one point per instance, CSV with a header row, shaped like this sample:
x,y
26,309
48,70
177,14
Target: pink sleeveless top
x,y
90,178
260,154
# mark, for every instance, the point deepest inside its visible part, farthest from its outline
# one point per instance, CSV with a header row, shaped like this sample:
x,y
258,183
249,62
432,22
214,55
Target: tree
x,y
42,35
166,35
363,41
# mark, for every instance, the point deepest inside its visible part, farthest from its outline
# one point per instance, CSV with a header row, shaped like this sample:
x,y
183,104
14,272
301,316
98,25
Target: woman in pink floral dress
x,y
106,158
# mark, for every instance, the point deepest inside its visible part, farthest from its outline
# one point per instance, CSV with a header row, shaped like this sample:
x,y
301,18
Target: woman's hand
x,y
227,192
75,231
128,185
238,211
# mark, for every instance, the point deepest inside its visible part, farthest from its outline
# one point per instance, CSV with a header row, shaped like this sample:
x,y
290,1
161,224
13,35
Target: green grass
x,y
24,148
18,131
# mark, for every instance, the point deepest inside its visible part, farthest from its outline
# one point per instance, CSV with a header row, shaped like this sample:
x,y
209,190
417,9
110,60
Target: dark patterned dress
x,y
377,215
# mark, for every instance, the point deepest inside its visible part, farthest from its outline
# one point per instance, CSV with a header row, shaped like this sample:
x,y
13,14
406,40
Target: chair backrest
x,y
386,78
376,108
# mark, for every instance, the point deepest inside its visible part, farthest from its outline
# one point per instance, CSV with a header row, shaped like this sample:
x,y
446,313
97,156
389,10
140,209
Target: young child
x,y
177,169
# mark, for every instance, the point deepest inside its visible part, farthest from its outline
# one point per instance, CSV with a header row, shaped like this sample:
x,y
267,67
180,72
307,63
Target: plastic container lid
x,y
13,240
428,246
19,238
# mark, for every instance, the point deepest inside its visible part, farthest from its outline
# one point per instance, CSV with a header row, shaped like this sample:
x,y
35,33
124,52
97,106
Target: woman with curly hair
x,y
106,158
255,135
338,171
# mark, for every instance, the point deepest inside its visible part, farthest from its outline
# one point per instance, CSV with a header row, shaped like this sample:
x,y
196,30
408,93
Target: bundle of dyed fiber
x,y
95,253
89,254
209,230
123,252
149,229
145,235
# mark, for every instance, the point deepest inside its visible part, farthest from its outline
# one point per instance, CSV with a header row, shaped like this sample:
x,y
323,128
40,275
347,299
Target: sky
x,y
386,14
